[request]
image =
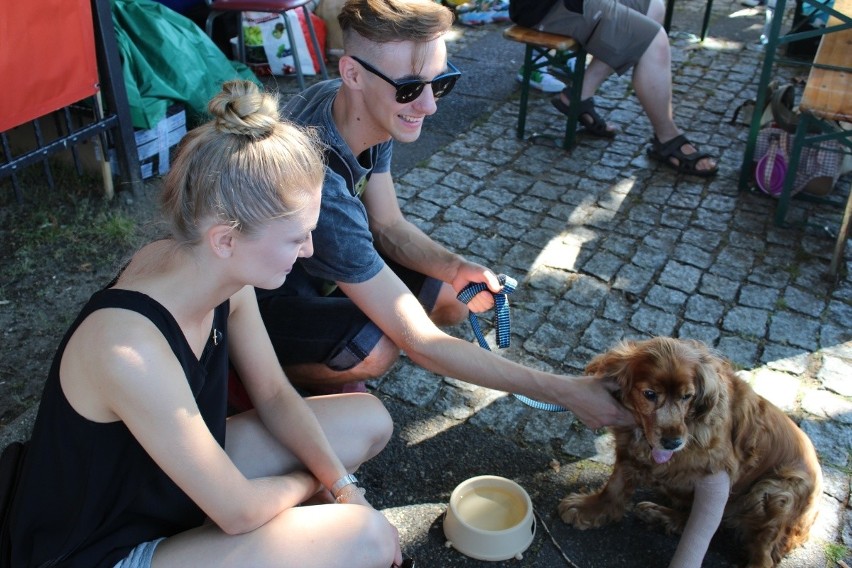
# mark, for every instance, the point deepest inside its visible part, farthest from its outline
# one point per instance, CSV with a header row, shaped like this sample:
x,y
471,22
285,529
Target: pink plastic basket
x,y
770,175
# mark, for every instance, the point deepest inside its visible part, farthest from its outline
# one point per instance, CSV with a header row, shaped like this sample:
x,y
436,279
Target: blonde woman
x,y
132,462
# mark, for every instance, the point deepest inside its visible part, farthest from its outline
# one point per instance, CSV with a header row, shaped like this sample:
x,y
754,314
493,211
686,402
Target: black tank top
x,y
88,492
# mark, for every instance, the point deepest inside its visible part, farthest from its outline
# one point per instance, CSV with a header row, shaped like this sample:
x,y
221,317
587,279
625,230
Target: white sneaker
x,y
543,81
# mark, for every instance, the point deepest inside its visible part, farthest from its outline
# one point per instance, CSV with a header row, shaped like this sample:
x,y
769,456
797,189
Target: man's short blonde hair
x,y
389,21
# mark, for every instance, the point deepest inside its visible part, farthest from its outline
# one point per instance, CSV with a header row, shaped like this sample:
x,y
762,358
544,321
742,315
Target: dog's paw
x,y
588,511
670,520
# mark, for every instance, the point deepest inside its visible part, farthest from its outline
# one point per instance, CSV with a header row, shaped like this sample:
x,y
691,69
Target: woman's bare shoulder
x,y
112,351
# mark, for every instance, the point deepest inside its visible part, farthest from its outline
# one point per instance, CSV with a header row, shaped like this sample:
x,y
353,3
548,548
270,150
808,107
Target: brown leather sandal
x,y
666,152
589,119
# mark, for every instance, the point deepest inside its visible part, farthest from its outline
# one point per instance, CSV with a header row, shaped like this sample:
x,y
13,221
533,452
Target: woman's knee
x,y
361,537
378,422
379,537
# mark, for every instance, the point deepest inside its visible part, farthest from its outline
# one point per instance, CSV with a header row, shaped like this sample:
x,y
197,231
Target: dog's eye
x,y
687,396
650,395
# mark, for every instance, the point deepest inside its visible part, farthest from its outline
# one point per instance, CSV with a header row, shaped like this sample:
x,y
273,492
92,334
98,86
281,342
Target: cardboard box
x,y
154,145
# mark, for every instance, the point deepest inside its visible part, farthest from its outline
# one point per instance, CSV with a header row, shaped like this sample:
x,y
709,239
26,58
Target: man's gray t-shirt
x,y
343,244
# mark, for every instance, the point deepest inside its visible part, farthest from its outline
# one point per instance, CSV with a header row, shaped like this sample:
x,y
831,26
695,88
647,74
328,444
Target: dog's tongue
x,y
661,456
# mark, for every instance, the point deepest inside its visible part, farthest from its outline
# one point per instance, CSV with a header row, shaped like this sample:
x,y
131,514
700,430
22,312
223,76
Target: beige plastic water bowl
x,y
489,518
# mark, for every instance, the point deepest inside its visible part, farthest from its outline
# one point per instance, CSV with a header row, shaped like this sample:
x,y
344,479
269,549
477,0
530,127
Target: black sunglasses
x,y
409,89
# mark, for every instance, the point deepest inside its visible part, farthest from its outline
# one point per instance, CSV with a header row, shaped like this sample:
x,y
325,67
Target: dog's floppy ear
x,y
710,389
617,364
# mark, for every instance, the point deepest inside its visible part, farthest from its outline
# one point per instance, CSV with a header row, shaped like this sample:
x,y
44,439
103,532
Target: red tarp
x,y
47,57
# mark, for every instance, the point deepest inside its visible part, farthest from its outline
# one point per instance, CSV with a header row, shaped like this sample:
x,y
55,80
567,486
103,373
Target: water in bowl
x,y
491,508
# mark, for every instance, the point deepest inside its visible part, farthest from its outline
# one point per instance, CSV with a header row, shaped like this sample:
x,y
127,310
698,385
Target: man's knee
x,y
367,354
353,363
448,310
381,358
656,10
449,314
658,53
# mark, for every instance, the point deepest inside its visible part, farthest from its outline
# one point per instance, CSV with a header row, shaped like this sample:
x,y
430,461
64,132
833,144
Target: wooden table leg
x,y
841,238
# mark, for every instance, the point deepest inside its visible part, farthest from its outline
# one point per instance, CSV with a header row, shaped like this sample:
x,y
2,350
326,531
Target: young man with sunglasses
x,y
376,283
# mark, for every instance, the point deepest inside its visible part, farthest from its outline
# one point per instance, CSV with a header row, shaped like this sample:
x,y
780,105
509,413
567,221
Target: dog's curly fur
x,y
694,417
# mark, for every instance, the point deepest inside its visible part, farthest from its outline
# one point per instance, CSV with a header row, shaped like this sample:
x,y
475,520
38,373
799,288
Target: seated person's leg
x,y
615,34
621,33
623,36
653,84
560,20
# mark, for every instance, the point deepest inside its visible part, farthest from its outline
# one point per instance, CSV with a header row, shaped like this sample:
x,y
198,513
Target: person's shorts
x,y
140,556
616,32
311,328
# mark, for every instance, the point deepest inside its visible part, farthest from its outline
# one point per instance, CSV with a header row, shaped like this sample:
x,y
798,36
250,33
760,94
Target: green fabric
x,y
167,59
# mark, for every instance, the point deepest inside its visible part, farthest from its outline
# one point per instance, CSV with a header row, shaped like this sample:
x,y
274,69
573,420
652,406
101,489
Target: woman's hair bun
x,y
242,108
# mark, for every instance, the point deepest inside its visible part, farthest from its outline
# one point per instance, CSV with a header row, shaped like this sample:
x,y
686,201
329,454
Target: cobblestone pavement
x,y
609,245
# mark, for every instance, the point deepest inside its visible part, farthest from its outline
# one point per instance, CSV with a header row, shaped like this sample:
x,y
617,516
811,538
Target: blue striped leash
x,y
501,327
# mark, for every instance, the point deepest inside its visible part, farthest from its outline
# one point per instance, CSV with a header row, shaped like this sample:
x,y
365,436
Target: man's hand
x,y
471,272
594,403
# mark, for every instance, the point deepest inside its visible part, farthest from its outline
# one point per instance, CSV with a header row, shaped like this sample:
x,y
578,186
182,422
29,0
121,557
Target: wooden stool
x,y
555,49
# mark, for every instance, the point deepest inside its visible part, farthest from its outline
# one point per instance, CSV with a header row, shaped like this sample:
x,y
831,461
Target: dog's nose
x,y
671,443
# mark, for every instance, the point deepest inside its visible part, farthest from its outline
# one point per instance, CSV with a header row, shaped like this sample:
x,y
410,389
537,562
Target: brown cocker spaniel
x,y
695,417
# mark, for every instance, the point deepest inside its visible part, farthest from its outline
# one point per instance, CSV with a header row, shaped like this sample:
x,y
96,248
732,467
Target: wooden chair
x,y
555,50
220,7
